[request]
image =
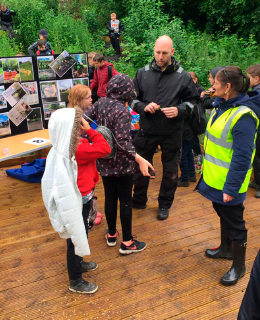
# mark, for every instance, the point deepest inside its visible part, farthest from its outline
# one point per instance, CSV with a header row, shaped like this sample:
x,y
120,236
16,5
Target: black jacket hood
x,y
174,66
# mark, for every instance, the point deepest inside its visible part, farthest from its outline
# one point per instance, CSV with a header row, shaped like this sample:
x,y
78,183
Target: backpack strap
x,y
109,69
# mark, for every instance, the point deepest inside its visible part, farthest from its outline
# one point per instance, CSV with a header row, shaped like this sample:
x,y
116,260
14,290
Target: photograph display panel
x,y
34,120
31,90
62,63
4,125
80,68
49,108
19,112
3,102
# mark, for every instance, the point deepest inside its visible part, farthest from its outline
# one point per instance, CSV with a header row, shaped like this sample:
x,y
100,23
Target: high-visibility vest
x,y
218,147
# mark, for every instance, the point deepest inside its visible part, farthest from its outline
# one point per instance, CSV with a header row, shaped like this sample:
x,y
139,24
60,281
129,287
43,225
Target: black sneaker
x,y
138,206
82,286
88,266
254,185
163,213
192,179
111,240
182,183
134,247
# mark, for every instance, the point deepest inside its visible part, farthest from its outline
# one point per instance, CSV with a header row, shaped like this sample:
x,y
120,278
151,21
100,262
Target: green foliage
x,y
8,47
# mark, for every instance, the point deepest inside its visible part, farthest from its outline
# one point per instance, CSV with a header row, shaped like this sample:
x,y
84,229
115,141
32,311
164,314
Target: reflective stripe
x,y
219,142
147,67
218,162
180,69
189,104
133,103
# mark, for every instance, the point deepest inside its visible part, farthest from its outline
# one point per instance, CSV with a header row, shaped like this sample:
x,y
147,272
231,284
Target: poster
x,y
44,70
49,91
49,108
26,69
11,70
1,72
62,63
19,112
3,102
84,81
34,120
80,68
64,87
14,93
4,125
31,90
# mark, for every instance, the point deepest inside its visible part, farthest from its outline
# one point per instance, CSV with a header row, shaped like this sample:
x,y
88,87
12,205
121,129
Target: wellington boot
x,y
238,268
224,251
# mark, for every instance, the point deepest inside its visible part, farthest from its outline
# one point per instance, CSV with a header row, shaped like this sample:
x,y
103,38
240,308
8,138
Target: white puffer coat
x,y
60,193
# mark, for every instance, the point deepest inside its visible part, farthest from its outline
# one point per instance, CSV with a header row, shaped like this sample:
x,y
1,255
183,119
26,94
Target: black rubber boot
x,y
238,268
224,251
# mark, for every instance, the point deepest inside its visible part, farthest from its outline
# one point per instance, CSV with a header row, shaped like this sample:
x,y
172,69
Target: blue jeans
x,y
187,161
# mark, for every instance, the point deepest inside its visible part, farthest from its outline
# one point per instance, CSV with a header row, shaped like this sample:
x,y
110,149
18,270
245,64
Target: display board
x,y
30,91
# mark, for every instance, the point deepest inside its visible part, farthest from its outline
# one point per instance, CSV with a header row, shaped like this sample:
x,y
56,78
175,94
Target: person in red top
x,y
86,155
103,73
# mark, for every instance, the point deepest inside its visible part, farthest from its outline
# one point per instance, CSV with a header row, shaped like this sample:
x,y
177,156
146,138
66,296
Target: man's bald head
x,y
163,51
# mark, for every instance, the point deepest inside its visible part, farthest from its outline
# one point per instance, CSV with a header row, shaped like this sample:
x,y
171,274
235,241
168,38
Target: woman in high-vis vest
x,y
229,148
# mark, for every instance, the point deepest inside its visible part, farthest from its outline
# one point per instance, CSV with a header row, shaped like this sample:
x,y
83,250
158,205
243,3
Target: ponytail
x,y
246,84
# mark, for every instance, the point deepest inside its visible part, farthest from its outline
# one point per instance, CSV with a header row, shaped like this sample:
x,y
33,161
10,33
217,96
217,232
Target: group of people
x,y
165,96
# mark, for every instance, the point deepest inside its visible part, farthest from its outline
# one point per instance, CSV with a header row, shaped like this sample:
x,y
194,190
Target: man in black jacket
x,y
165,95
6,20
115,28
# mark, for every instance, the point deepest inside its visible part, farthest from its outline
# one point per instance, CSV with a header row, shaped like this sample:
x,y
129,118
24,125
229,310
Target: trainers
x,y
137,206
88,266
163,213
192,179
254,185
134,247
82,286
182,183
111,240
257,195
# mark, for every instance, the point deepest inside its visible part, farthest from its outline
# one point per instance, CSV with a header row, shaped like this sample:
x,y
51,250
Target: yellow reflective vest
x,y
218,147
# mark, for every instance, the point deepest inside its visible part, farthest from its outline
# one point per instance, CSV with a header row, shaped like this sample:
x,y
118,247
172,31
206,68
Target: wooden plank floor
x,y
171,279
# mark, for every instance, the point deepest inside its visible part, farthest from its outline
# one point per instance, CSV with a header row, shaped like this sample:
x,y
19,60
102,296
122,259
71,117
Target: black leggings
x,y
119,188
74,261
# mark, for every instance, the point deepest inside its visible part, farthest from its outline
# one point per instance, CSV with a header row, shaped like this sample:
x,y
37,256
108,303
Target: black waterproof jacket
x,y
6,17
172,87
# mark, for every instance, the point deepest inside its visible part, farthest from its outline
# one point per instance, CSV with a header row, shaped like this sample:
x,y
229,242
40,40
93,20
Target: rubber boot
x,y
224,251
238,268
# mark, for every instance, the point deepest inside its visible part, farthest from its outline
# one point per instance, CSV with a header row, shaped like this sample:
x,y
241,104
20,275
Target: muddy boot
x,y
224,251
238,268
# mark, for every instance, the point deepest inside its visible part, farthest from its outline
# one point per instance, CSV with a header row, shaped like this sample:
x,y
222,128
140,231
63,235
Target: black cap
x,y
44,33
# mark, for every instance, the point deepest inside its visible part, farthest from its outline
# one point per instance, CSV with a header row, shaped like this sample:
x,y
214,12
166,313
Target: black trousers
x,y
115,43
74,261
119,188
250,306
170,156
231,218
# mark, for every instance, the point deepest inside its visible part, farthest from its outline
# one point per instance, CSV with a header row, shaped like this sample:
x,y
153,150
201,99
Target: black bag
x,y
198,119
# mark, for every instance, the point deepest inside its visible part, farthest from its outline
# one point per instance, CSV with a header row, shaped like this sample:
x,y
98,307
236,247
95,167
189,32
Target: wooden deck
x,y
171,279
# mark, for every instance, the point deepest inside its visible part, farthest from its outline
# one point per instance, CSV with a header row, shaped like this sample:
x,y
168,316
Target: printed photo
x,y
49,91
34,120
84,81
3,103
62,63
64,87
1,72
31,90
26,69
14,93
11,70
80,68
44,70
4,125
19,112
49,108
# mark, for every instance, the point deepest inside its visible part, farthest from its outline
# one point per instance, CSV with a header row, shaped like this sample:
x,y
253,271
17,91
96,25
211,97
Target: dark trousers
x,y
170,156
119,188
250,306
187,161
196,146
74,261
231,218
8,28
115,43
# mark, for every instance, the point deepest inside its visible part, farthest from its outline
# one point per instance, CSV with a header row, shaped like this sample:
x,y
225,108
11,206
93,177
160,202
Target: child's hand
x,y
144,165
84,124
